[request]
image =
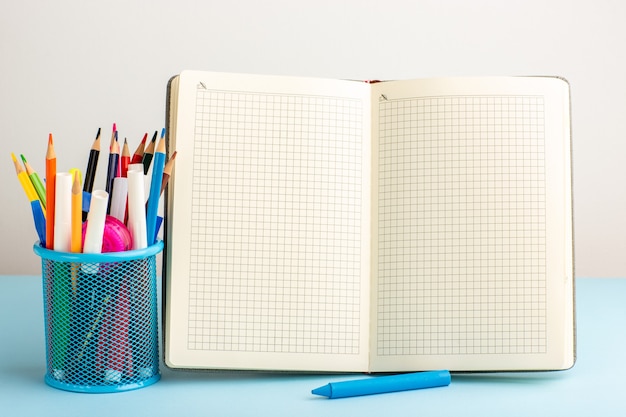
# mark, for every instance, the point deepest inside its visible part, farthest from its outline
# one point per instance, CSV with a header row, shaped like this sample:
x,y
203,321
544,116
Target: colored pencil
x,y
138,155
31,194
76,243
40,221
125,158
114,157
60,311
155,192
113,130
22,176
51,169
118,168
77,215
92,166
36,181
148,154
167,171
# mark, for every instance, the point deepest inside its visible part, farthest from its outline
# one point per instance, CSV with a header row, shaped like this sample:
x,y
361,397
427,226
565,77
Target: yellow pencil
x,y
39,215
31,194
76,245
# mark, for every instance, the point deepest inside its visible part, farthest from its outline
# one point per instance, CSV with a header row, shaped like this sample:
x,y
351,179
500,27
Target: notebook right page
x,y
472,254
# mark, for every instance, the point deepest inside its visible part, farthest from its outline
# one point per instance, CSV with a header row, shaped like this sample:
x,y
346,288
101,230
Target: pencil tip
x,y
155,136
162,133
50,139
98,134
114,127
324,391
18,168
23,157
161,146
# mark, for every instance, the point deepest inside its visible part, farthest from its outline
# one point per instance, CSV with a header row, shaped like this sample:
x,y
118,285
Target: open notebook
x,y
331,225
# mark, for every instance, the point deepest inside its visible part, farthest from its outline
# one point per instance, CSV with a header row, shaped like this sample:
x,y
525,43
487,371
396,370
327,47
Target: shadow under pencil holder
x,y
101,319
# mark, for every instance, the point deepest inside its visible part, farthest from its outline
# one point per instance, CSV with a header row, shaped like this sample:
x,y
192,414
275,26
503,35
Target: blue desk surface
x,y
595,384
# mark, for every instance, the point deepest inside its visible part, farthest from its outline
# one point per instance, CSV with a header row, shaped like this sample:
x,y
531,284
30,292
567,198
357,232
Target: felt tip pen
x,y
384,384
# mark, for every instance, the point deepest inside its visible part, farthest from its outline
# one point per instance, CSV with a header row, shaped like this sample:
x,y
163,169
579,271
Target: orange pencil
x,y
51,172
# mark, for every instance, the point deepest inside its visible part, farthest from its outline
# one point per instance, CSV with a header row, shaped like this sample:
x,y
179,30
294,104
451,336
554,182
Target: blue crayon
x,y
384,384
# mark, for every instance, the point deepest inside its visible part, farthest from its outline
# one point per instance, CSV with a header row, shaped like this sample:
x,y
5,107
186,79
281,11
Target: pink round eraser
x,y
117,237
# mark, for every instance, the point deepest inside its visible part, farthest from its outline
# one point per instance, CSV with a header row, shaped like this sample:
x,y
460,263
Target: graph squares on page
x,y
276,224
462,226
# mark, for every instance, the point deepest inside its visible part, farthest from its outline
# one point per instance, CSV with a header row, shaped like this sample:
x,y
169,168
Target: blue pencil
x,y
155,192
40,221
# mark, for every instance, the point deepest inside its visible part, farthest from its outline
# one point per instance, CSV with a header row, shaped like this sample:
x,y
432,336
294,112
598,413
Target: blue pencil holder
x,y
101,319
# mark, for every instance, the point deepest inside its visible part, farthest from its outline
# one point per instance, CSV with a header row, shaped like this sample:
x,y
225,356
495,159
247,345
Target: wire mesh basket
x,y
101,319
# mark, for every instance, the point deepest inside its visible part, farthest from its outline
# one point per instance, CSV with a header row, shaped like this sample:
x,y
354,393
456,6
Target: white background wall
x,y
71,66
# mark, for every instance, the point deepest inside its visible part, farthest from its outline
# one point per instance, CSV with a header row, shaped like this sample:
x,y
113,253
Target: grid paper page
x,y
462,247
276,239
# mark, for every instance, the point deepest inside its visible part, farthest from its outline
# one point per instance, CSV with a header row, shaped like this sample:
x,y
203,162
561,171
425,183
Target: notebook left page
x,y
268,234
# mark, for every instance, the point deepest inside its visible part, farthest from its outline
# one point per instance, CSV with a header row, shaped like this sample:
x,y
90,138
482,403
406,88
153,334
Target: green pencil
x,y
34,178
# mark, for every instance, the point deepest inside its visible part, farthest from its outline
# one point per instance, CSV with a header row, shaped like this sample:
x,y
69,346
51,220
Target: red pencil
x,y
138,155
51,172
125,158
